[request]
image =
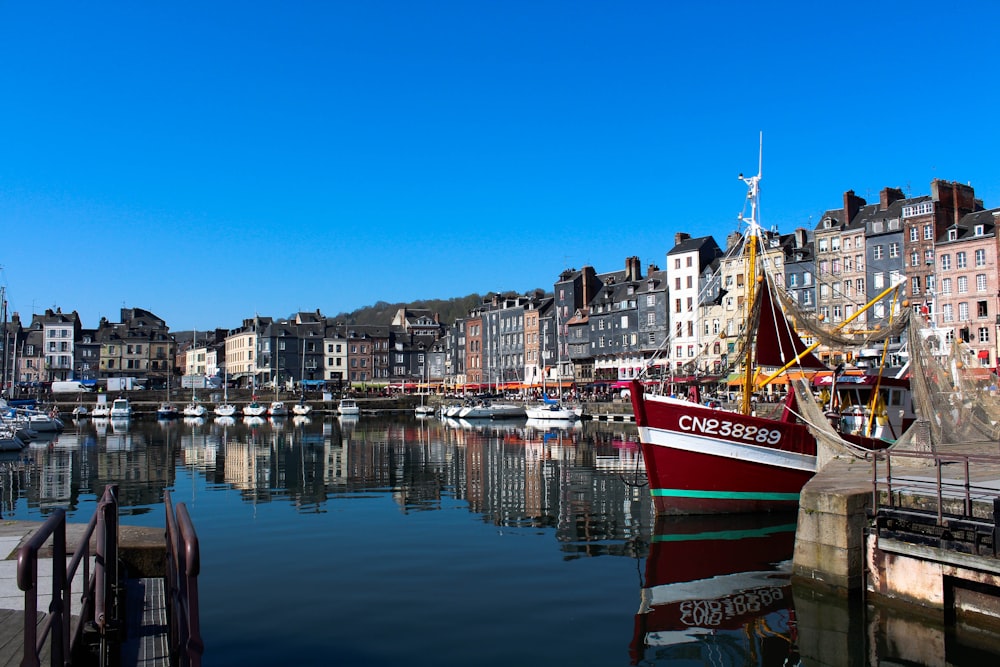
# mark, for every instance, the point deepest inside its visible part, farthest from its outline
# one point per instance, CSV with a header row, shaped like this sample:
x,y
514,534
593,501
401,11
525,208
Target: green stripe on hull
x,y
723,495
726,534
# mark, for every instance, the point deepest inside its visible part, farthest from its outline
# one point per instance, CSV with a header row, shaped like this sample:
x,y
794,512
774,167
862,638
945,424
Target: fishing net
x,y
829,443
960,402
831,336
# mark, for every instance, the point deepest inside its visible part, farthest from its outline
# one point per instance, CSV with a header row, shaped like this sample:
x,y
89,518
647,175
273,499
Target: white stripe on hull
x,y
726,449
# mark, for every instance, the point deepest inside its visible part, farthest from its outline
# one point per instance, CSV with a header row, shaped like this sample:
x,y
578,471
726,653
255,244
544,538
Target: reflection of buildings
x,y
583,482
83,461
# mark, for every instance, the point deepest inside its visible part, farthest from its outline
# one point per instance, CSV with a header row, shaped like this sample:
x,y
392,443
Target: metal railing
x,y
183,566
99,601
954,498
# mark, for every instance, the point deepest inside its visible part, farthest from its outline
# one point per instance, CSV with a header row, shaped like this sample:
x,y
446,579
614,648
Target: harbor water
x,y
392,540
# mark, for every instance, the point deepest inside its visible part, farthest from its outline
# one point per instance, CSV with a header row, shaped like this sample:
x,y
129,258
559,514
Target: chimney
x,y
680,237
632,270
733,240
888,196
852,204
651,269
801,238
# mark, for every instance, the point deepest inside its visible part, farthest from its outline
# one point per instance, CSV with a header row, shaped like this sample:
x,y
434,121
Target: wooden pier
x,y
124,622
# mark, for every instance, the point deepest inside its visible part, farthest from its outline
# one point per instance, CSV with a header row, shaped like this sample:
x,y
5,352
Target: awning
x,y
984,354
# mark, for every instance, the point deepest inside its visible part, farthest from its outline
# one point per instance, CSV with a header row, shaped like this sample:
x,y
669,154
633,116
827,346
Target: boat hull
x,y
701,460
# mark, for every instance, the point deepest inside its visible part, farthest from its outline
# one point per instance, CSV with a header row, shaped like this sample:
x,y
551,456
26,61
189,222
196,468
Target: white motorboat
x,y
121,409
278,409
348,406
552,409
302,408
488,410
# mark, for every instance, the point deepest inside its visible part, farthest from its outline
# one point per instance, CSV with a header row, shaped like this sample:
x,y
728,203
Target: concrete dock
x,y
930,548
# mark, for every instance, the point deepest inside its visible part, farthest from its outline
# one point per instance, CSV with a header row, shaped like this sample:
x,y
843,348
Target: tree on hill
x,y
382,312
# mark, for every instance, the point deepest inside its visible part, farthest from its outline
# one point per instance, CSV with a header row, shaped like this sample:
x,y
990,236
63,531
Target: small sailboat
x,y
302,408
424,410
225,409
194,408
167,410
277,408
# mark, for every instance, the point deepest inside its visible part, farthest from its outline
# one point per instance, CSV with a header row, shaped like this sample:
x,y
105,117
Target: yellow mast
x,y
753,233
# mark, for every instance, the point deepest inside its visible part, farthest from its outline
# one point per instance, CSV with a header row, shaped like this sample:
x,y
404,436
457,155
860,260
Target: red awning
x,y
984,354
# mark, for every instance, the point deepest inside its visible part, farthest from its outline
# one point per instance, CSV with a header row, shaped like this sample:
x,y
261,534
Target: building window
x,y
982,309
963,284
650,319
960,260
894,249
914,234
914,258
928,232
946,262
915,285
980,257
946,286
963,311
877,252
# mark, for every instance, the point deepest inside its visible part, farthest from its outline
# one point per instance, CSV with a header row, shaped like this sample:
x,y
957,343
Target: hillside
x,y
382,312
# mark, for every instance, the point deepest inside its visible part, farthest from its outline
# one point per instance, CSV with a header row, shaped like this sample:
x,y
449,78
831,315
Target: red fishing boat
x,y
705,459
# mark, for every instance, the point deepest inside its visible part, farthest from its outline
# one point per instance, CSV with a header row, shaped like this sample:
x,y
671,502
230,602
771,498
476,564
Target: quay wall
x,y
838,552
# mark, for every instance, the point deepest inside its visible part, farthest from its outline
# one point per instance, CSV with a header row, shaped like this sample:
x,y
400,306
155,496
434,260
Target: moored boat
x,y
194,409
121,408
552,409
254,409
348,406
167,411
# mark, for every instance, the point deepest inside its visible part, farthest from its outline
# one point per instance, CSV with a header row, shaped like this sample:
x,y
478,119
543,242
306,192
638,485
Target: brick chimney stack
x,y
852,204
681,237
888,196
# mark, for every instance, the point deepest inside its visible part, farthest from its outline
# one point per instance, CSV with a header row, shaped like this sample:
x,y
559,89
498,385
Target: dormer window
x,y
980,230
952,234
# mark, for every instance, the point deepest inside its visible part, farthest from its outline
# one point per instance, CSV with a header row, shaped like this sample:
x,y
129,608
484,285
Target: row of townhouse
x,y
55,346
593,327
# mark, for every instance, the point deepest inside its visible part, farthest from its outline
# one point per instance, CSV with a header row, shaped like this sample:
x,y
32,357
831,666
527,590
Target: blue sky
x,y
207,161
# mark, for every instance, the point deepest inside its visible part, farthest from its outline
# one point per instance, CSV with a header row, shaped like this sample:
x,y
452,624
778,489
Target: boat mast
x,y
752,236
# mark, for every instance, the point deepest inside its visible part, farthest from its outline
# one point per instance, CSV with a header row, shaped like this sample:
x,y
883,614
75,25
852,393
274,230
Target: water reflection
x,y
718,592
587,482
707,592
